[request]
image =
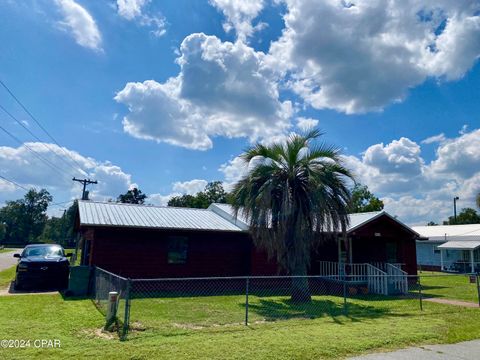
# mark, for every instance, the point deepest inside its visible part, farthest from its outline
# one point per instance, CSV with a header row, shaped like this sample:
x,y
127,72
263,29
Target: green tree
x,y
213,193
293,193
432,223
25,219
61,230
132,196
364,201
3,231
466,216
477,200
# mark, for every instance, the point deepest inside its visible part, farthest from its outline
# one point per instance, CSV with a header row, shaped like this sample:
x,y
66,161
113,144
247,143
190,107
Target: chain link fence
x,y
178,304
106,282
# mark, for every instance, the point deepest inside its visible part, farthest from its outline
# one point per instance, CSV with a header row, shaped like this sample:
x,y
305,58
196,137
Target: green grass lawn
x,y
211,327
76,324
5,250
448,286
6,276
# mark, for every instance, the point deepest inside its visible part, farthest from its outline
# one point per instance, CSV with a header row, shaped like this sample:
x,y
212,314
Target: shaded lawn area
x,y
172,328
448,286
75,322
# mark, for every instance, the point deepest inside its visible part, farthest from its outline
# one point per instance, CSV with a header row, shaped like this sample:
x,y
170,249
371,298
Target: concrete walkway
x,y
468,350
7,260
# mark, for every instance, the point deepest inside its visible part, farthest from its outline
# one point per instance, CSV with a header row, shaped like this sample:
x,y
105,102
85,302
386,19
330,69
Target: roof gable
x,y
357,220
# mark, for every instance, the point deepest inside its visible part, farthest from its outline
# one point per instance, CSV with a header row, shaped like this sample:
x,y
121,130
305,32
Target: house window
x,y
436,251
177,250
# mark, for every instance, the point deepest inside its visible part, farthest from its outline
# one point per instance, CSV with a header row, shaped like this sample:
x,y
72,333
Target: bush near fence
x,y
195,303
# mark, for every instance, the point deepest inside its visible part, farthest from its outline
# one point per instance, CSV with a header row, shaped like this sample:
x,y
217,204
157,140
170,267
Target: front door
x,y
391,248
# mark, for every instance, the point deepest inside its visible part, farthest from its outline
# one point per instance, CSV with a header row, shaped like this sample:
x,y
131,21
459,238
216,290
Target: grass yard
x,y
448,286
195,328
6,250
6,276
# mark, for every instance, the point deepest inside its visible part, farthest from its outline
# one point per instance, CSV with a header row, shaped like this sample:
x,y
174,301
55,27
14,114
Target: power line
x,y
40,125
49,163
14,183
37,138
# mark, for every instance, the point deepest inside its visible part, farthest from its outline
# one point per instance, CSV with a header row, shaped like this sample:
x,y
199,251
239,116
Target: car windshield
x,y
47,251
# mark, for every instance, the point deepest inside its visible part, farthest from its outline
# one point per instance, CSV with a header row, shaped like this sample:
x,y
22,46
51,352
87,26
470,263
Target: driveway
x,y
468,350
7,260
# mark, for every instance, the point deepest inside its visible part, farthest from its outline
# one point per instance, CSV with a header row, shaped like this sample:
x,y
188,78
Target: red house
x,y
141,241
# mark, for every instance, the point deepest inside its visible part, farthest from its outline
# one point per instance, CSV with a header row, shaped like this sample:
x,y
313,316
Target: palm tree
x,y
478,200
293,193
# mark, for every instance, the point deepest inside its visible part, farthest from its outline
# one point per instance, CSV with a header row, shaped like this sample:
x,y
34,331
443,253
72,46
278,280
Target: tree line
x,y
25,220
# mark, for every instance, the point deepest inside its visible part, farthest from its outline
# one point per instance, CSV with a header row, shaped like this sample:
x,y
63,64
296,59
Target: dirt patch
x,y
137,326
453,302
100,333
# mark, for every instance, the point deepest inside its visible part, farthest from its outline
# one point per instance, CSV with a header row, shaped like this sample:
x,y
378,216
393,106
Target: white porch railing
x,y
377,280
381,278
397,279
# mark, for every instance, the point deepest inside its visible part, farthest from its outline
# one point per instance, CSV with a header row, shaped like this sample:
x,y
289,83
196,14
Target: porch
x,y
378,278
465,259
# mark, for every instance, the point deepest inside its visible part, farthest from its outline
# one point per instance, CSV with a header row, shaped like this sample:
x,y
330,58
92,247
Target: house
x,y
141,241
453,248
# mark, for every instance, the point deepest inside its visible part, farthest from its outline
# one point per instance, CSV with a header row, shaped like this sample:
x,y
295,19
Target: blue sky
x,y
166,94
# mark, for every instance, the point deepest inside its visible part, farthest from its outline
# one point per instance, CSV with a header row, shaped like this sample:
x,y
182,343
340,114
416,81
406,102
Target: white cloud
x,y
233,170
362,56
240,14
179,188
134,10
305,124
434,139
459,156
130,9
190,187
418,191
223,89
80,24
400,156
159,199
22,166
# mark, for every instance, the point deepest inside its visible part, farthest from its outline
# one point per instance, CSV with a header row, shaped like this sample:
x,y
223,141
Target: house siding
x,y
143,253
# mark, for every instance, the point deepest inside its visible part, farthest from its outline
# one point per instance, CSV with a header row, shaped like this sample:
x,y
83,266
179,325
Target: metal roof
x,y
460,245
449,232
145,216
356,220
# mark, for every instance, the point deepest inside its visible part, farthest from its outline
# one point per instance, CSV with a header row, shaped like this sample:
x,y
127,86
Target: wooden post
x,y
350,250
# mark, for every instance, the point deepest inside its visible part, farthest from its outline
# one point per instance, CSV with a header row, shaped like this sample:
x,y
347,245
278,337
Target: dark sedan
x,y
42,265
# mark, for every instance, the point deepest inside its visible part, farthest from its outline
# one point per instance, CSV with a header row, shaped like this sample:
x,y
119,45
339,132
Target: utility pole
x,y
455,209
85,182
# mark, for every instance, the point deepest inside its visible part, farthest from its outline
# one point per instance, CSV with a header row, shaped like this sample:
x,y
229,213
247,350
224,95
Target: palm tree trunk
x,y
300,288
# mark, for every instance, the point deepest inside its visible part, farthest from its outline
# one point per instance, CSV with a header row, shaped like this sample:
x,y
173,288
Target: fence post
x,y
345,295
126,318
420,293
246,300
478,290
111,315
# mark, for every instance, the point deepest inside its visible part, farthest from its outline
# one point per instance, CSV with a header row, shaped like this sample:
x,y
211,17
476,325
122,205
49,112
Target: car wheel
x,y
17,285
